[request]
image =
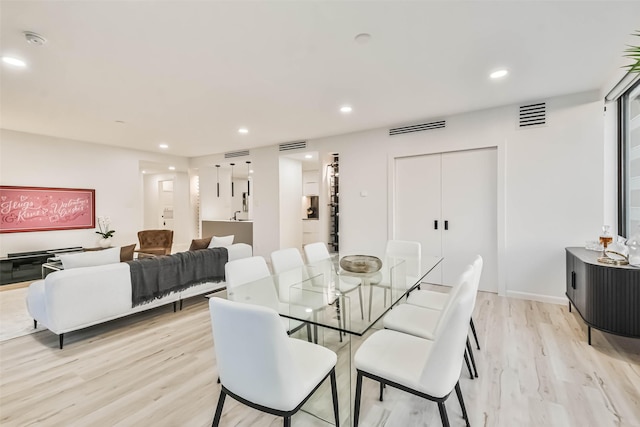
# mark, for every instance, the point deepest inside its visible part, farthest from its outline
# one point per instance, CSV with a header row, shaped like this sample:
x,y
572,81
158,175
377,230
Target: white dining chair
x,y
289,269
260,366
425,322
316,252
426,368
411,254
437,300
246,270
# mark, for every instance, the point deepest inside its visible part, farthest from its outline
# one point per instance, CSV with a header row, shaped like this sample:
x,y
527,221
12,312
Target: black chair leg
x,y
287,421
174,306
216,418
443,414
473,360
35,324
461,400
334,394
180,305
473,330
381,391
309,334
356,407
61,340
466,359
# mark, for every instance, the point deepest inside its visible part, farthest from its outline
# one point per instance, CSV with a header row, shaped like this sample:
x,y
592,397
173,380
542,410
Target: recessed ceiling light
x,y
308,156
362,38
163,146
346,109
14,61
144,171
243,130
498,74
172,168
250,170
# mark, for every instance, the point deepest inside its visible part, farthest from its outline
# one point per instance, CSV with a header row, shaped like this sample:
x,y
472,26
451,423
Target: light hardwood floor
x,y
157,368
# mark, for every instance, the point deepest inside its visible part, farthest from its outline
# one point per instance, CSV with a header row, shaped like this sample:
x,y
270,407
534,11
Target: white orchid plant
x,y
103,225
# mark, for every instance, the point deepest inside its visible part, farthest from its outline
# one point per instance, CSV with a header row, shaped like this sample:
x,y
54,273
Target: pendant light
x,y
232,165
248,182
218,179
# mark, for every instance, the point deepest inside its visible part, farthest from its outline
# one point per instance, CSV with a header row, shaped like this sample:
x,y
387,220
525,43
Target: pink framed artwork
x,y
41,209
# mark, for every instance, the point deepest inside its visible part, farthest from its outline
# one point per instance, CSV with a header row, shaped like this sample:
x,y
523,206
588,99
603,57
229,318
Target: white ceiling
x,y
190,73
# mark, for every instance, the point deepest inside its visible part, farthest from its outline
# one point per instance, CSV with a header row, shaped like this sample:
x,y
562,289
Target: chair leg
x,y
475,336
216,417
461,400
61,340
466,359
381,391
35,324
443,414
334,394
287,421
356,407
309,334
174,306
361,302
473,360
180,305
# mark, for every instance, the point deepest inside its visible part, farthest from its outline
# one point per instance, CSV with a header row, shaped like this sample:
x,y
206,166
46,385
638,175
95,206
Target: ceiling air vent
x,y
287,146
417,128
233,154
533,114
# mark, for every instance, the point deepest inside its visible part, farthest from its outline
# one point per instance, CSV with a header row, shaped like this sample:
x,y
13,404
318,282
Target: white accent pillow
x,y
222,241
90,258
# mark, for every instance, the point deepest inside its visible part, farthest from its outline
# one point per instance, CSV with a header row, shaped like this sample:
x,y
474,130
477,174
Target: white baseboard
x,y
538,297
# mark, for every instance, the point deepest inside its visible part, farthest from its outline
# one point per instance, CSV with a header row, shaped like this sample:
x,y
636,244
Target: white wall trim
x,y
538,297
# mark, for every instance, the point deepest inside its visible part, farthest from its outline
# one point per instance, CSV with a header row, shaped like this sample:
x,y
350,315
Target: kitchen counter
x,y
242,230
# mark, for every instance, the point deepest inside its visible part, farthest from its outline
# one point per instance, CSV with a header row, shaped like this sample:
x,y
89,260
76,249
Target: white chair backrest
x,y
442,368
411,252
289,270
315,252
477,273
285,260
246,270
467,276
252,353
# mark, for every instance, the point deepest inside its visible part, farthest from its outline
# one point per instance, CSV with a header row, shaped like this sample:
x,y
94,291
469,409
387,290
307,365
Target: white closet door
x,y
417,205
469,205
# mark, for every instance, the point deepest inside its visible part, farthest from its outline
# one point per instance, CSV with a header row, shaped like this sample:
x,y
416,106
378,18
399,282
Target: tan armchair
x,y
154,242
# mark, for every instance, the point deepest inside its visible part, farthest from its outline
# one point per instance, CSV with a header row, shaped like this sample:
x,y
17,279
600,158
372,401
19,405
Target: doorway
x,y
448,202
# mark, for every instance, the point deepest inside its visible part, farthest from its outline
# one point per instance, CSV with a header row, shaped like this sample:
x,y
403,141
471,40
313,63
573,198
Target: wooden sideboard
x,y
607,297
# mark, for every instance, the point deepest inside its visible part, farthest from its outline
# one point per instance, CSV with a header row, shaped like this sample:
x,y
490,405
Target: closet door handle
x,y
446,225
435,224
573,279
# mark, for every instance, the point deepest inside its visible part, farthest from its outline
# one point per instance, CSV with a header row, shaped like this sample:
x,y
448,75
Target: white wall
x,y
290,191
42,161
550,191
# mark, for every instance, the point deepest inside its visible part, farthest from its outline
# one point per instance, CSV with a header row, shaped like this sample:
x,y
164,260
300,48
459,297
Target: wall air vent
x,y
233,154
287,146
533,114
417,128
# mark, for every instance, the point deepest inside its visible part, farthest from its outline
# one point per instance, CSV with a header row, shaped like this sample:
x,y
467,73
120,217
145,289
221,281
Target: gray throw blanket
x,y
156,277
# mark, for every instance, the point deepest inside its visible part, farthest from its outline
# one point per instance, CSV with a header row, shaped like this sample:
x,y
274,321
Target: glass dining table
x,y
320,302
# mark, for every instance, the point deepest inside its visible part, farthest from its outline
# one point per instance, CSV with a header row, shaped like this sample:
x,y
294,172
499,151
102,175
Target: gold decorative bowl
x,y
361,263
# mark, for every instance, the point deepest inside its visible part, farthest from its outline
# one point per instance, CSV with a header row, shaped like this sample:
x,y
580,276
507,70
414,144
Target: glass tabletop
x,y
322,295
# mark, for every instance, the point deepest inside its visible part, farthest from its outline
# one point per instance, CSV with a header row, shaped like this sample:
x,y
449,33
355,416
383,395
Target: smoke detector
x,y
34,39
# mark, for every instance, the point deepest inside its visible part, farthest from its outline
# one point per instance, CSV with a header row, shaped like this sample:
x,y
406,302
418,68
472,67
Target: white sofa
x,y
69,300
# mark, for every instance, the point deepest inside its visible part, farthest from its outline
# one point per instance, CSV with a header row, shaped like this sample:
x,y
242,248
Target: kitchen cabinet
x,y
607,297
448,202
310,231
